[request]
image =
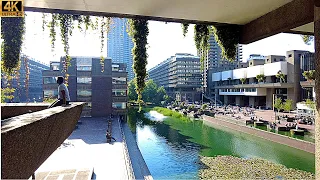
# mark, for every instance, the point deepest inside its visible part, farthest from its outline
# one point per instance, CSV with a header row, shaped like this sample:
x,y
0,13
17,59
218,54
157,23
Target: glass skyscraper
x,y
120,44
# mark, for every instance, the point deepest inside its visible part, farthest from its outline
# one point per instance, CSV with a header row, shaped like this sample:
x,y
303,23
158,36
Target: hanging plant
x,y
52,25
44,21
139,31
185,28
307,39
227,36
65,30
12,32
201,38
80,22
87,22
104,28
26,66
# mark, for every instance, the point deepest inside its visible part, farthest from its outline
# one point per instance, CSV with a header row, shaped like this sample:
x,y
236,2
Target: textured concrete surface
x,y
86,148
28,140
302,145
15,109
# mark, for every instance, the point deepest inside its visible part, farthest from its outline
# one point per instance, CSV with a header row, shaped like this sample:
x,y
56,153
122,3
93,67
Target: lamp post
x,y
273,99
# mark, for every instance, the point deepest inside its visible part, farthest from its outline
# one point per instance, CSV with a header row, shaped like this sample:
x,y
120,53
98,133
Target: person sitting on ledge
x,y
63,94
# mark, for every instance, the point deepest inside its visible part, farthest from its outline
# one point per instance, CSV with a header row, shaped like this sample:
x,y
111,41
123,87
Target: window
x,y
290,55
119,92
55,65
115,67
275,60
281,59
250,63
84,93
84,80
119,80
84,68
119,105
49,80
50,93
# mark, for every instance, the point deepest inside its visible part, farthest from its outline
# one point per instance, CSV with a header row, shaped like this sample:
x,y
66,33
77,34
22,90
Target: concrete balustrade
x,y
27,140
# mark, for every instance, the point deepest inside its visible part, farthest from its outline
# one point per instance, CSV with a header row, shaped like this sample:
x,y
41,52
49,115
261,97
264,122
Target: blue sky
x,y
164,41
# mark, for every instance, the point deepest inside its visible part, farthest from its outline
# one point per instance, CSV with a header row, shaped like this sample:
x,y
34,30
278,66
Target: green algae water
x,y
171,147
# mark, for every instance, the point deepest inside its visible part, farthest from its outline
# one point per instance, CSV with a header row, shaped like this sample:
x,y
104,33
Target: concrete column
x,y
252,101
238,100
226,100
317,83
269,98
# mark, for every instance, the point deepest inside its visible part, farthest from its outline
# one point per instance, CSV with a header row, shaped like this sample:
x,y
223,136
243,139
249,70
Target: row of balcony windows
x,y
239,90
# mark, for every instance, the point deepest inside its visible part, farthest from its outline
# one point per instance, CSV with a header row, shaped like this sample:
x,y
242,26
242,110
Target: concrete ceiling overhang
x,y
241,12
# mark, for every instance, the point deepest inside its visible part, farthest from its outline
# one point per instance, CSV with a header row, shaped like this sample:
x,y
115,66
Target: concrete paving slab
x,y
87,154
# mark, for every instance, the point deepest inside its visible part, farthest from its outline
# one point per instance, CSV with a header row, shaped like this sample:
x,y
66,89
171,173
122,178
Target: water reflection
x,y
171,148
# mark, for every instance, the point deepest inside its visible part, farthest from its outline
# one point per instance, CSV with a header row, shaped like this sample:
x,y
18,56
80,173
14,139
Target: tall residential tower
x,y
120,44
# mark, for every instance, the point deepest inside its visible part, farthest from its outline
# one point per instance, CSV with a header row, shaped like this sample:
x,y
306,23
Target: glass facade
x,y
84,93
50,94
119,92
49,80
120,45
119,105
119,80
84,80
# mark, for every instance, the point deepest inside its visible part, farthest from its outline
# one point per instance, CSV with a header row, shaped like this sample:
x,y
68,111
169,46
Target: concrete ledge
x,y
15,109
295,143
29,139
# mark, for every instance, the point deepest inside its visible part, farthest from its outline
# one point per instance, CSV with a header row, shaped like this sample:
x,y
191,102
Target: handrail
x,y
126,154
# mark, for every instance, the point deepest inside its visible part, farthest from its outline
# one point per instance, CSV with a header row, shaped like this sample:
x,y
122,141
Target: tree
x,y
309,75
310,104
132,94
150,91
161,93
204,106
243,80
260,77
281,77
6,94
288,105
278,104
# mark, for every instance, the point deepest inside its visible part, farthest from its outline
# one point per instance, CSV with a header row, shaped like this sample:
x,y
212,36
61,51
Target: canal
x,y
171,147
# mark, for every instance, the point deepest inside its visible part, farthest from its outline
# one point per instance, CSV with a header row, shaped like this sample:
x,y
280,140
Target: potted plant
x,y
243,80
281,77
309,75
260,77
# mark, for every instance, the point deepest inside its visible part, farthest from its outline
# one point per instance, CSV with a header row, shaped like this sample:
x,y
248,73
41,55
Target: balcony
x,y
31,133
119,74
119,98
119,86
307,83
258,85
246,92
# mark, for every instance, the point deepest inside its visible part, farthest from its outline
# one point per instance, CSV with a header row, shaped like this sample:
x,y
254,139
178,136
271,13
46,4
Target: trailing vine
x,y
307,39
12,32
52,25
227,36
139,32
44,21
201,38
26,66
185,28
104,28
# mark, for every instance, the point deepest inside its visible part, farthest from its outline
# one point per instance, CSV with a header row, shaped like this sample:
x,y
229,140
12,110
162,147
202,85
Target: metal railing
x,y
126,154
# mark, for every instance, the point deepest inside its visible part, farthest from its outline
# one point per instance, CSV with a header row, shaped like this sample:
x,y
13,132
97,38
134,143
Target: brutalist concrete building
x,y
104,88
180,75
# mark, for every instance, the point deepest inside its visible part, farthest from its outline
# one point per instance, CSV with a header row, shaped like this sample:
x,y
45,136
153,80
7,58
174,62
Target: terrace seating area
x,y
250,116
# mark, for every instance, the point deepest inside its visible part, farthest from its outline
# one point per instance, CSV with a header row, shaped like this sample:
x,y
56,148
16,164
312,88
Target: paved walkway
x,y
86,150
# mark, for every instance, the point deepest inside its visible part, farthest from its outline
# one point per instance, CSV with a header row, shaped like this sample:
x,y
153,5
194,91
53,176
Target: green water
x,y
171,147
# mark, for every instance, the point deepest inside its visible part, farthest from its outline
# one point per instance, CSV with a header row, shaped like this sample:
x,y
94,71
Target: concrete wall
x,y
252,101
269,98
29,139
